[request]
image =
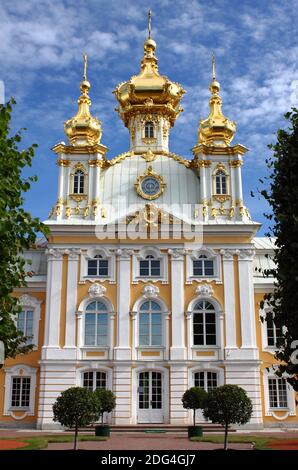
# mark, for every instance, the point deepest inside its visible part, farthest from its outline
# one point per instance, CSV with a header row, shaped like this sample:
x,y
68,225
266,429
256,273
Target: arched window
x,y
96,324
78,182
94,380
25,324
274,333
98,266
149,129
204,324
150,324
206,380
203,266
150,266
221,182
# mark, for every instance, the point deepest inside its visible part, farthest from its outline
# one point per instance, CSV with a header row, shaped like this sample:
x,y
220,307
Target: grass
x,y
38,443
259,441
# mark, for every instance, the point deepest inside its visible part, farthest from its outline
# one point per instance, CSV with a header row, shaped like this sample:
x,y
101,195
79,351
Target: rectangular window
x,y
203,267
278,397
25,324
20,393
98,267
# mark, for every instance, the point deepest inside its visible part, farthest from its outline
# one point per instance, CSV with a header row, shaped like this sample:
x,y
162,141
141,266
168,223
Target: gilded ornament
x,y
149,156
68,212
150,185
232,212
213,212
236,163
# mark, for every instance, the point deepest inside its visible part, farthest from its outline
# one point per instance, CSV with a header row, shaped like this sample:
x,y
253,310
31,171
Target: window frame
x,y
20,389
149,126
94,379
89,254
206,372
221,182
150,313
79,180
204,312
211,255
30,303
278,381
157,255
25,311
98,258
97,312
19,371
149,259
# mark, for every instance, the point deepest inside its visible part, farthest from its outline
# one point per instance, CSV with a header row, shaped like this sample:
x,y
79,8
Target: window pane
x,y
197,268
101,380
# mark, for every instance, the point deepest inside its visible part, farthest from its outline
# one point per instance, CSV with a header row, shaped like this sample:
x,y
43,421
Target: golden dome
x,y
149,88
217,129
83,129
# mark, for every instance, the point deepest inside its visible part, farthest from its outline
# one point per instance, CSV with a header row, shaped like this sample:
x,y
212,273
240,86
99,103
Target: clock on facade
x,y
150,185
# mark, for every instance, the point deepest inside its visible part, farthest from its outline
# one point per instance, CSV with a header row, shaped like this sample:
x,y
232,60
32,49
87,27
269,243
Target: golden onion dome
x,y
83,129
149,88
216,129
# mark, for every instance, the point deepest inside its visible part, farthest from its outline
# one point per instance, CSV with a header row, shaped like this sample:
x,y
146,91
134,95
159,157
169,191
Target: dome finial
x,y
83,129
216,129
149,23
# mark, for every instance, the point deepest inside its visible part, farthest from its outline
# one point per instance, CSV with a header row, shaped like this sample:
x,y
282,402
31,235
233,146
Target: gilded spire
x,y
149,24
83,129
216,129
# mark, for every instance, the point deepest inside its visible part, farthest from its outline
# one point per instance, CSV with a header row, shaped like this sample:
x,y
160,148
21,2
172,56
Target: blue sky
x,y
255,45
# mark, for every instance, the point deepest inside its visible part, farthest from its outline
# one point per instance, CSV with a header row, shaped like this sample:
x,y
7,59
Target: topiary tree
x,y
227,405
105,402
194,399
75,407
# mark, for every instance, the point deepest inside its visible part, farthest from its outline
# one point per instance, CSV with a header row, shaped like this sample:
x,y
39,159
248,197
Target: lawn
x,y
38,443
260,442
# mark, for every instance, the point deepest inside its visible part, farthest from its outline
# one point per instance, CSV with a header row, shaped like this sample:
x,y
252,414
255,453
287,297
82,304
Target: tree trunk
x,y
226,437
102,419
194,417
75,446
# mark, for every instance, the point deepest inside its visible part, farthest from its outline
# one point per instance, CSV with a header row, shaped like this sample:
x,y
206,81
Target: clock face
x,y
150,186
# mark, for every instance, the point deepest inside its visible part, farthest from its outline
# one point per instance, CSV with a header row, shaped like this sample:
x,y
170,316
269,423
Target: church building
x,y
149,281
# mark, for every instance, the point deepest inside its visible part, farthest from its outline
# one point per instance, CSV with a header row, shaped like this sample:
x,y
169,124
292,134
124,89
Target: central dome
x,y
149,89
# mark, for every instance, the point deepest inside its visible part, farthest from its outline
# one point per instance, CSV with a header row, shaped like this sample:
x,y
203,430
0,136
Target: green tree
x,y
18,229
75,407
227,405
280,191
105,402
194,399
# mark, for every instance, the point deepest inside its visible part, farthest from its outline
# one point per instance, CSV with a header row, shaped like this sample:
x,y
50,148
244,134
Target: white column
x,y
178,350
229,295
53,303
122,389
123,350
71,301
248,323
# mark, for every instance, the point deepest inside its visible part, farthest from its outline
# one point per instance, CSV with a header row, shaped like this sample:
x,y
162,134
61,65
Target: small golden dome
x,y
83,129
217,129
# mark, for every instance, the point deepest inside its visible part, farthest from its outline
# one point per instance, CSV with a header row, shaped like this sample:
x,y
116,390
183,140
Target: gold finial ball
x,y
149,45
214,86
85,86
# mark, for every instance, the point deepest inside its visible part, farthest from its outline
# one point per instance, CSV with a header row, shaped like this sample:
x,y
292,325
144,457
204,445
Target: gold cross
x,y
149,23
